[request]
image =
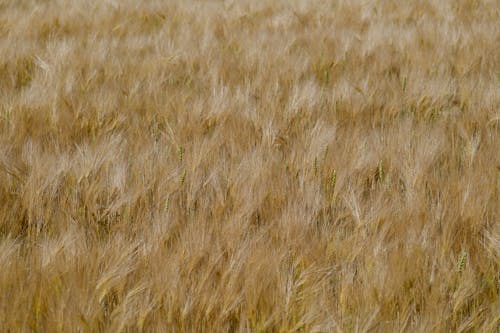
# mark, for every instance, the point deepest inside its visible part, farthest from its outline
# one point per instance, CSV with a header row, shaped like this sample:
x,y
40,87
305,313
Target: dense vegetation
x,y
264,166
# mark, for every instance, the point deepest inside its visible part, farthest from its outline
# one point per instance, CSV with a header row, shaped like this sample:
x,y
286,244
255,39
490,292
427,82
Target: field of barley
x,y
249,166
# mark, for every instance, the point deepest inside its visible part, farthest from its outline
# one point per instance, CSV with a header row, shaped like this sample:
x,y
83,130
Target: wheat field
x,y
249,166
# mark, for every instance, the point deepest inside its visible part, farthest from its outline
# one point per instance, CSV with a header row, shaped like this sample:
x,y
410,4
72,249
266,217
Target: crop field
x,y
249,166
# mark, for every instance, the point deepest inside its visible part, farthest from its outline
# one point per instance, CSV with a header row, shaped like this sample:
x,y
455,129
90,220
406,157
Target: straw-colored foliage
x,y
249,166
